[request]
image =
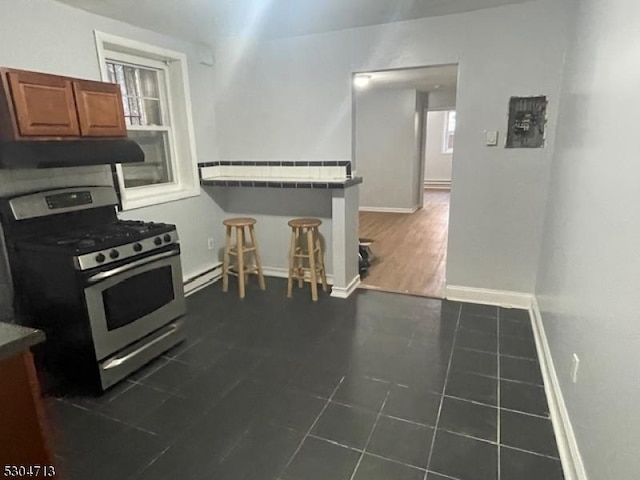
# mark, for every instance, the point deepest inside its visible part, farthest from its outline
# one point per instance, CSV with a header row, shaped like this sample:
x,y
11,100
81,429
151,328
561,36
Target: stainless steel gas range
x,y
108,293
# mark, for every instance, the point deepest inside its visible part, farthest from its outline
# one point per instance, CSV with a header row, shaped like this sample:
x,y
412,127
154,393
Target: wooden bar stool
x,y
306,247
238,250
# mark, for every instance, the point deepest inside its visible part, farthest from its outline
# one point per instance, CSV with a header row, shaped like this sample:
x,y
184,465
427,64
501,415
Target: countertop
x,y
14,339
270,182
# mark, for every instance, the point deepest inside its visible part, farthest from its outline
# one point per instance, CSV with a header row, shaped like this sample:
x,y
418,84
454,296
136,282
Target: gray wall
x,y
351,202
588,283
273,208
291,98
385,146
420,139
444,99
47,36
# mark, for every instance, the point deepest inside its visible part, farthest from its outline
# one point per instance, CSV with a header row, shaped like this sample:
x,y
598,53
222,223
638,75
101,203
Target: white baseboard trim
x,y
438,184
502,298
202,279
346,292
389,210
214,273
570,457
280,272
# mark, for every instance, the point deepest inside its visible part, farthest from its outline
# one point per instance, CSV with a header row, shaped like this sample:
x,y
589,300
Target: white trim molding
x,y
570,457
339,292
212,274
390,210
280,272
202,279
438,184
502,298
177,109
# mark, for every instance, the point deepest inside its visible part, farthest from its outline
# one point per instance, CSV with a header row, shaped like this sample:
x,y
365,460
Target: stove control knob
x,y
100,258
114,253
137,247
157,241
167,238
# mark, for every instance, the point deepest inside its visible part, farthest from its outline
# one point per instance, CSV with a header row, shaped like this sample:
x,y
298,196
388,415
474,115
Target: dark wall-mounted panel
x,y
527,121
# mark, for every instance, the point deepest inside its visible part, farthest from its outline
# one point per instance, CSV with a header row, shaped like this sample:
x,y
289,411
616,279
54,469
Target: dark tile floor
x,y
376,387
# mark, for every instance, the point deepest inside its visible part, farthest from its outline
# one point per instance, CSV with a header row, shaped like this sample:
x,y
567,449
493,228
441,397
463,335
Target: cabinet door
x,y
24,430
100,109
43,104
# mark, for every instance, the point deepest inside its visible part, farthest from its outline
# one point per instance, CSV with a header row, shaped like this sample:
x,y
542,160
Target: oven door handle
x,y
116,362
129,266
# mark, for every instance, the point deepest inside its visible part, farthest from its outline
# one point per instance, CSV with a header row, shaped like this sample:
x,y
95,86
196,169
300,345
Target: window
x,y
449,131
157,109
145,113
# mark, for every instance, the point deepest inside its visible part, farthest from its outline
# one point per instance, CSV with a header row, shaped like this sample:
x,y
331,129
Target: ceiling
x,y
422,79
204,20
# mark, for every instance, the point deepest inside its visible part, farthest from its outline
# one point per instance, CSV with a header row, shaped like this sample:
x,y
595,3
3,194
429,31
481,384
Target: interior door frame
x,y
420,156
422,148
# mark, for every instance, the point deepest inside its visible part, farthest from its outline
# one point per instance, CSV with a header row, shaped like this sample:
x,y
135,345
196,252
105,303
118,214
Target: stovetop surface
x,y
98,237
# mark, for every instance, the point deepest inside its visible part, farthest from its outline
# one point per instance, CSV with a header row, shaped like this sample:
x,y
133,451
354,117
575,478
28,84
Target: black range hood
x,y
75,153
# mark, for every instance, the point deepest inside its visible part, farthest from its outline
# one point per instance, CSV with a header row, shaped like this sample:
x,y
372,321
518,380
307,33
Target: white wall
x,y
437,165
588,284
291,99
47,36
385,146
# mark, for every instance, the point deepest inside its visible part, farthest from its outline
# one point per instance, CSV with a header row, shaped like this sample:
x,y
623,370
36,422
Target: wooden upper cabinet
x,y
38,106
44,105
100,110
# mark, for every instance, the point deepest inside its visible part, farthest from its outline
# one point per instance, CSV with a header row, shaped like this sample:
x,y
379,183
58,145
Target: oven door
x,y
133,300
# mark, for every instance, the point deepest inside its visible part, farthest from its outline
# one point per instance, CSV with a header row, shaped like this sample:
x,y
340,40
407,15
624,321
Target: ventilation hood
x,y
74,153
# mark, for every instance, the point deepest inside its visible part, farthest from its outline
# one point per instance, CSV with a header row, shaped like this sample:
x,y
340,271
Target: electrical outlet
x,y
575,364
210,244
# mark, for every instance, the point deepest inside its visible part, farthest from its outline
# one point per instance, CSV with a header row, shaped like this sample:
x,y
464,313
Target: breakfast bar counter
x,y
275,192
279,182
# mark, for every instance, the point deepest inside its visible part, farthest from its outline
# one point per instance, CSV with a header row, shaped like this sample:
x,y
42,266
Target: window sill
x,y
149,200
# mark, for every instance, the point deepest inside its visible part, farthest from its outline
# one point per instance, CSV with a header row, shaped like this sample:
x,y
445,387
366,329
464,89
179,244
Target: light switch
x,y
492,138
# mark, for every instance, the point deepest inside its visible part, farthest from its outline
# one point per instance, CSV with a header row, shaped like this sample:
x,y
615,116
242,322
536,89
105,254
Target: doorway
x,y
404,142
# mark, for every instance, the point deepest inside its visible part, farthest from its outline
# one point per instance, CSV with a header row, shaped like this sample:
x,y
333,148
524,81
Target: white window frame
x,y
185,182
445,135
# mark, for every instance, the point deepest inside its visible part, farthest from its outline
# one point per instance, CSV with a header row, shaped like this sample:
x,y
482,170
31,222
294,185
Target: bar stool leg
x,y
226,260
312,265
244,258
256,256
300,267
323,275
292,264
240,249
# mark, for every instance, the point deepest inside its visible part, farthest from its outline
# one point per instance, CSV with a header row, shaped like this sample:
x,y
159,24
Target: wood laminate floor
x,y
411,248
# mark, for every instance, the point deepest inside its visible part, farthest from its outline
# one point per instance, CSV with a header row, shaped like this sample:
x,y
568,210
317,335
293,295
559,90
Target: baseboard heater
x,y
202,279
